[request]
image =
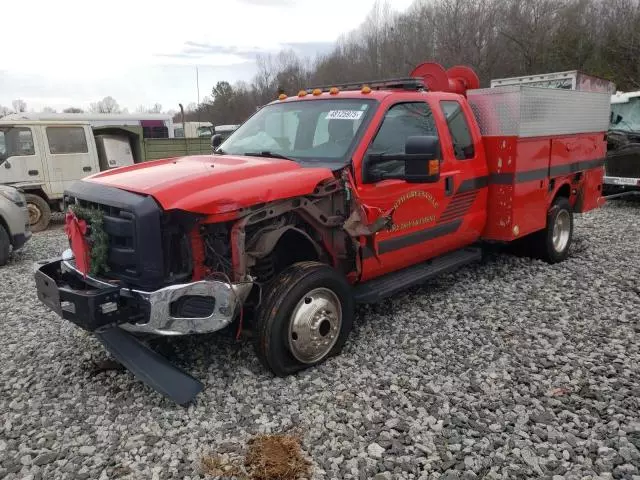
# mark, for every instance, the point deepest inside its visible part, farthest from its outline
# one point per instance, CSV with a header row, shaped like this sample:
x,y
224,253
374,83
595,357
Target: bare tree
x,y
4,111
73,110
156,108
19,105
106,105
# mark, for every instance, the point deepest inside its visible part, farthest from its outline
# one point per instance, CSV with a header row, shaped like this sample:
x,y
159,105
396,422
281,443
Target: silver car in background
x,y
14,222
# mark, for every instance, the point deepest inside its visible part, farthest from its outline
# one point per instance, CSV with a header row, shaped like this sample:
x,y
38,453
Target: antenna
x,y
198,84
198,89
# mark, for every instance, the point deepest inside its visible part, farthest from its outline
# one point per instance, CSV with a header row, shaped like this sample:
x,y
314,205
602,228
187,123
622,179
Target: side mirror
x,y
216,141
421,163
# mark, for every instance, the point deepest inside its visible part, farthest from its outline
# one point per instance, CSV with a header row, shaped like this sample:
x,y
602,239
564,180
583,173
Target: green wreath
x,y
97,238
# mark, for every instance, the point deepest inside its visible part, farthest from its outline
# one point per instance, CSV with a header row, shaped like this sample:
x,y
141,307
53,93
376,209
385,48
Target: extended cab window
x,y
65,140
400,122
459,129
15,142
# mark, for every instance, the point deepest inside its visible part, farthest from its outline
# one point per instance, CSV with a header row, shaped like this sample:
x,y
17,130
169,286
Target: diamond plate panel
x,y
535,112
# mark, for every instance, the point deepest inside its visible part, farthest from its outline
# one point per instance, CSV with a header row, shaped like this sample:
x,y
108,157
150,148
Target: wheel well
x,y
291,247
294,247
563,191
37,191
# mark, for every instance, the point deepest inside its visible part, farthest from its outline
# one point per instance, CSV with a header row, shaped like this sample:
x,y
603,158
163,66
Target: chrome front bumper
x,y
58,295
622,181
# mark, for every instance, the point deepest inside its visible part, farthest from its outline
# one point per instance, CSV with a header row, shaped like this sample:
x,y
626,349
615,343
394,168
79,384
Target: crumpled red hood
x,y
212,184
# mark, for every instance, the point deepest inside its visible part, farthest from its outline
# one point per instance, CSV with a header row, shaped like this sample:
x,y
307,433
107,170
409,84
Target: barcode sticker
x,y
344,115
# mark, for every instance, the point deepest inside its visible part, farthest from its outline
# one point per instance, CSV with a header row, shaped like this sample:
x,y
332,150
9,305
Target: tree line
x,y
106,105
498,38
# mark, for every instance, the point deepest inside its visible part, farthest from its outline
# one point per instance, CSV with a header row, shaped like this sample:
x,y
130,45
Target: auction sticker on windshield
x,y
344,115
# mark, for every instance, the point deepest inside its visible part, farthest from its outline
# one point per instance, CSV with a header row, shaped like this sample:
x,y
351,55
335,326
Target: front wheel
x,y
555,240
305,318
5,246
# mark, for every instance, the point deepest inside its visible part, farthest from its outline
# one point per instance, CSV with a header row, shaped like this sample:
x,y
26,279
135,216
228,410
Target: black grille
x,y
624,162
133,224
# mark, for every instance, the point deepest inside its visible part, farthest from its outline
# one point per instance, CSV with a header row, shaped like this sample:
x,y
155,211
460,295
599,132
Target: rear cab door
x,y
428,219
69,155
466,182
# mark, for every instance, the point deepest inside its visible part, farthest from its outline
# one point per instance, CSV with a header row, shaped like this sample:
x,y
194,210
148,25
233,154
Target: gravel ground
x,y
512,369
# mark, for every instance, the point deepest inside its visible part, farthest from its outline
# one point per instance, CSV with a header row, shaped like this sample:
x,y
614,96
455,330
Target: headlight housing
x,y
13,195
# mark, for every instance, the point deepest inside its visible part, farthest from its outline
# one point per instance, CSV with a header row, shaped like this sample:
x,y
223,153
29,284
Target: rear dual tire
x,y
39,212
305,318
553,243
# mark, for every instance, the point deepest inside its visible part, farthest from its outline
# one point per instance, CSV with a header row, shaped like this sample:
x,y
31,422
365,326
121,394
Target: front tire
x,y
555,240
39,212
5,246
305,318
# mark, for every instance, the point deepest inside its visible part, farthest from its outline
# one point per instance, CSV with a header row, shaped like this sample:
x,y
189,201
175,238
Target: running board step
x,y
382,287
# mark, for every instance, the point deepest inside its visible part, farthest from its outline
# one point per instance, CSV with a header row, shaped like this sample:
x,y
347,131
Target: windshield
x,y
15,141
316,130
626,116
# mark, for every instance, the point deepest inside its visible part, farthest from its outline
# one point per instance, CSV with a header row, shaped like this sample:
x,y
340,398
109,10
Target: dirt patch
x,y
268,457
276,456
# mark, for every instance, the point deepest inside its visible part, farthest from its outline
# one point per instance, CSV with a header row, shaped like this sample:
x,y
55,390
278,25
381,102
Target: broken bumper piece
x,y
198,307
110,311
149,367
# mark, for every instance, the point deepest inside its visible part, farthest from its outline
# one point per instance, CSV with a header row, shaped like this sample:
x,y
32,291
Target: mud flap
x,y
149,367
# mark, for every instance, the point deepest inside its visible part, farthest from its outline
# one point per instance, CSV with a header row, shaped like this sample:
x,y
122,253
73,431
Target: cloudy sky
x,y
71,53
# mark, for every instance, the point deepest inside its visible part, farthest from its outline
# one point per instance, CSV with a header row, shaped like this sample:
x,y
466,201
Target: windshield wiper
x,y
269,154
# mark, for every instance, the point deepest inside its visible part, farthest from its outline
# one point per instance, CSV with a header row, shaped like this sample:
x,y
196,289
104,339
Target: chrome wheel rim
x,y
315,325
34,213
561,231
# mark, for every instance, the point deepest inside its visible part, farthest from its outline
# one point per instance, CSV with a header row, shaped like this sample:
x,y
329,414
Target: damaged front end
x,y
156,282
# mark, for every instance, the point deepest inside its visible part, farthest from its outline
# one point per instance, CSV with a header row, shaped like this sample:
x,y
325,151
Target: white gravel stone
x,y
494,371
375,451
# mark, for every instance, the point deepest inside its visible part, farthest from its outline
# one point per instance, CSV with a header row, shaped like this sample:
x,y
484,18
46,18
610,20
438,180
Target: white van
x,y
44,158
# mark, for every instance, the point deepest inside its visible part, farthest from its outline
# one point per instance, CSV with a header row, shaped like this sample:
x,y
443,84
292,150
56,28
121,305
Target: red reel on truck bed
x,y
457,79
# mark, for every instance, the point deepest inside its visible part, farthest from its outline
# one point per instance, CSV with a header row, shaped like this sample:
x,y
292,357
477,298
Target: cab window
x,y
459,130
66,140
401,121
16,142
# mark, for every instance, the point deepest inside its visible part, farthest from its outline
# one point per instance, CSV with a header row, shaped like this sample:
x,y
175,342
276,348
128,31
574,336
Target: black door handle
x,y
86,169
448,185
33,173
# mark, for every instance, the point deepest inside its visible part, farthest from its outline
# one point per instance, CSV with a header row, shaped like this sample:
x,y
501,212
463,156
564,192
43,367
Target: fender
x,y
27,185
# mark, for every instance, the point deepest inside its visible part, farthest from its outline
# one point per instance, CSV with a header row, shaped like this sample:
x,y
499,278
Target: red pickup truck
x,y
330,197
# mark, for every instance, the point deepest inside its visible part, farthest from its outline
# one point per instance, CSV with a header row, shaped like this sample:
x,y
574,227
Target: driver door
x,y
22,156
415,233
